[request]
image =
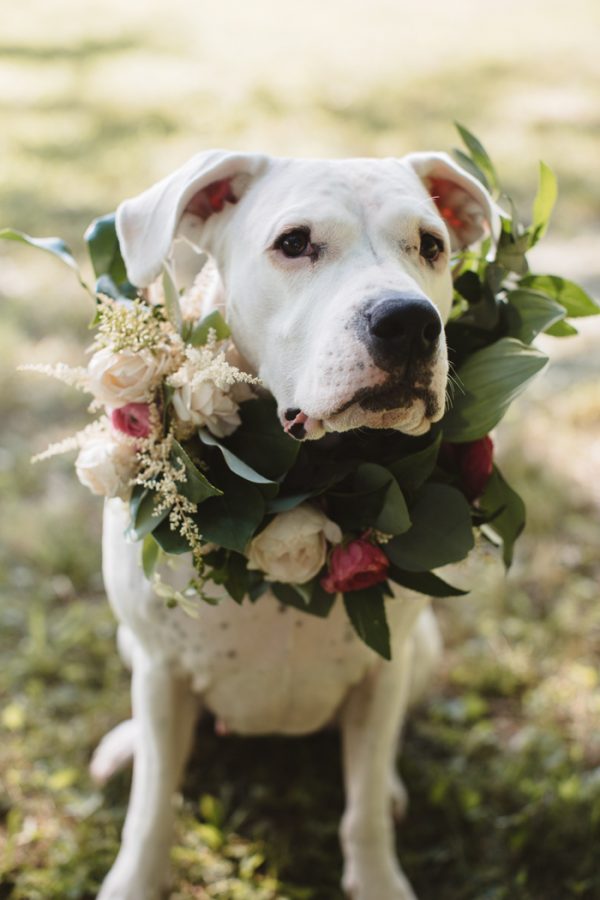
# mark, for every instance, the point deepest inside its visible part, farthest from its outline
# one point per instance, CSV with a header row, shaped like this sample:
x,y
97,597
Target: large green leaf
x,y
568,294
261,441
314,600
490,380
141,510
54,245
506,511
479,155
530,312
441,531
425,583
413,470
393,516
196,487
366,611
236,464
231,519
544,202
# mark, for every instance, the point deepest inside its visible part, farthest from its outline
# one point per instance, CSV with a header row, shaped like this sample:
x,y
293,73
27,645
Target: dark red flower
x,y
474,462
357,565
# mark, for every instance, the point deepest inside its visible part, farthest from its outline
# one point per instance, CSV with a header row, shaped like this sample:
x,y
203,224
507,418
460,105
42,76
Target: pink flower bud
x,y
474,462
359,564
132,419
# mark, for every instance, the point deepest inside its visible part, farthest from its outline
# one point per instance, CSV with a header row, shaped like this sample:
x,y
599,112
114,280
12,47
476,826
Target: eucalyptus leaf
x,y
414,469
260,441
169,540
441,531
54,245
236,464
231,519
237,580
490,379
214,321
366,611
393,516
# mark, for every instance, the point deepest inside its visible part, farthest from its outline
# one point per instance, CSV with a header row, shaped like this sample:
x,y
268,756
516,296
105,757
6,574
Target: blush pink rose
x,y
132,419
359,564
474,462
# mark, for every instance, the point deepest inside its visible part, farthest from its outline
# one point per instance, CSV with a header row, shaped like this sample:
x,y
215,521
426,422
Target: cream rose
x,y
105,466
203,403
124,376
293,547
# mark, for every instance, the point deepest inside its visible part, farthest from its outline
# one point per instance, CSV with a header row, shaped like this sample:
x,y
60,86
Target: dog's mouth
x,y
411,409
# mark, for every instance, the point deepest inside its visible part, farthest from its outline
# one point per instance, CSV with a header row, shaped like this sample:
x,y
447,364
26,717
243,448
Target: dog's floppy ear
x,y
463,202
147,224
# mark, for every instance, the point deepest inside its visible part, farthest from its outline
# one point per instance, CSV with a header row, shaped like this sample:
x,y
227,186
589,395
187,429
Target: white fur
x,y
263,668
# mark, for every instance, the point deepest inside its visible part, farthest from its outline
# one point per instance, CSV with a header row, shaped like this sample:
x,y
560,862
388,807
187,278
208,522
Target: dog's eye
x,y
431,247
295,243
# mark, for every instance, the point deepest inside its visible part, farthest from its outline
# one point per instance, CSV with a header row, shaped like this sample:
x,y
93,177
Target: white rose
x,y
124,376
105,466
204,403
293,547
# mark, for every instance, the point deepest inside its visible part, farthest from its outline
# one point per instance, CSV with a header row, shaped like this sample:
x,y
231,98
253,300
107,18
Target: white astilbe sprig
x,y
159,472
209,363
75,376
75,441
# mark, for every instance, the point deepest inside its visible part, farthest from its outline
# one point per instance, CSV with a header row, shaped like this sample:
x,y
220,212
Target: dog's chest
x,y
260,667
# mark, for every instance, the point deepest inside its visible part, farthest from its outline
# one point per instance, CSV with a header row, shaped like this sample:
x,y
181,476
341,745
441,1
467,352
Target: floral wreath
x,y
195,447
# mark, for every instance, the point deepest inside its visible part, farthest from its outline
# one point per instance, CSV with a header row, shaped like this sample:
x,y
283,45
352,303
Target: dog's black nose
x,y
403,327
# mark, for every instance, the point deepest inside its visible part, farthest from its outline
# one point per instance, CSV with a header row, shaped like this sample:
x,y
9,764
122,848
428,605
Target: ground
x,y
503,761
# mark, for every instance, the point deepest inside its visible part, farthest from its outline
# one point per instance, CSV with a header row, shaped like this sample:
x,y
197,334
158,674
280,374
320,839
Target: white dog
x,y
336,284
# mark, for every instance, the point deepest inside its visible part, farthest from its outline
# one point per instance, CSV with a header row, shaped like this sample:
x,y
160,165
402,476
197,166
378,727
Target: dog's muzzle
x,y
399,330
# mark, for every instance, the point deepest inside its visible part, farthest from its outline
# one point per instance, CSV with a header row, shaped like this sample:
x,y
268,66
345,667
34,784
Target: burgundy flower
x,y
474,462
357,565
132,419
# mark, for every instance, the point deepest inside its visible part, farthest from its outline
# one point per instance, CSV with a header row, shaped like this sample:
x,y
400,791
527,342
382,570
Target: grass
x,y
503,763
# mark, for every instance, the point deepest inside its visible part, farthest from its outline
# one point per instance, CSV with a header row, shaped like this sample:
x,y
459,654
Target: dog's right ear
x,y
148,224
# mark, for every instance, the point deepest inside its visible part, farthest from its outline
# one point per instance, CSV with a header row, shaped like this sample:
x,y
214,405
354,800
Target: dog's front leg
x,y
371,723
165,711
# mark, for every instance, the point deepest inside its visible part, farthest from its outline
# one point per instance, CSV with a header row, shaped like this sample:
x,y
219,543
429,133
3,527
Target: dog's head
x,y
336,274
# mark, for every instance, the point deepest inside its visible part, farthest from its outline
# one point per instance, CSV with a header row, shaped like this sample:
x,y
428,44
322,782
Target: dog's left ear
x,y
462,201
148,224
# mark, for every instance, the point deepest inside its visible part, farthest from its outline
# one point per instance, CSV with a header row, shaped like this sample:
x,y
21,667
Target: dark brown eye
x,y
294,243
431,247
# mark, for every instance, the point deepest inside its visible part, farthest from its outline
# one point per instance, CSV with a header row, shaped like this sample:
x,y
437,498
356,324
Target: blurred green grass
x,y
503,765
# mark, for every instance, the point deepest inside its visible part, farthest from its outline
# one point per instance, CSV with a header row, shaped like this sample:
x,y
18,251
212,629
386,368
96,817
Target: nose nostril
x,y
431,332
404,324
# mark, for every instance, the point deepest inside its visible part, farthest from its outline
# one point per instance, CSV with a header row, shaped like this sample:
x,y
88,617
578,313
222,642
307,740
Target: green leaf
x,y
236,464
543,203
312,600
214,321
491,379
568,294
236,580
231,519
561,329
366,611
54,245
441,531
425,583
506,510
171,297
141,507
393,517
196,487
479,155
511,252
472,168
261,441
169,540
103,247
282,504
150,555
413,470
528,313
